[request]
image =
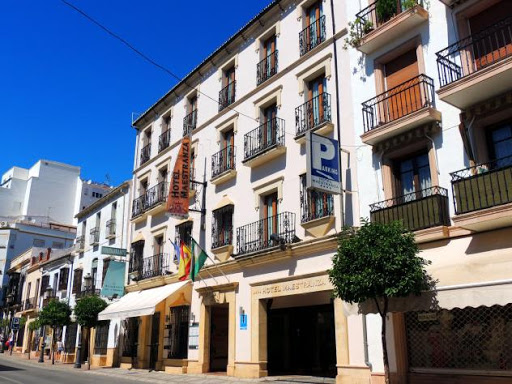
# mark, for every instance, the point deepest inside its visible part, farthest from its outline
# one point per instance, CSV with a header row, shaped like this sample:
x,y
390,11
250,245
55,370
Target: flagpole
x,y
216,266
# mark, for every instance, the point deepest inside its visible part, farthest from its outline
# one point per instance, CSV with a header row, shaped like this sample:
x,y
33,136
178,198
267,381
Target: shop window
x,y
101,338
472,339
176,329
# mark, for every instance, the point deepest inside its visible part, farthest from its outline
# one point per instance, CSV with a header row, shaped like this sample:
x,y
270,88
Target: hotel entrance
x,y
219,329
301,339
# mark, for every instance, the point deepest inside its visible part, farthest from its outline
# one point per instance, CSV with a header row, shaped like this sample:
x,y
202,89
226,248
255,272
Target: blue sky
x,y
67,89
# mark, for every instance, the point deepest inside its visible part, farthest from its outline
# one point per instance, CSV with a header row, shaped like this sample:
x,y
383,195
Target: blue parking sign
x,y
323,163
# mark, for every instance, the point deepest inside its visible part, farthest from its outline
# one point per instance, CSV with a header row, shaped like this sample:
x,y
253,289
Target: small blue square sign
x,y
243,322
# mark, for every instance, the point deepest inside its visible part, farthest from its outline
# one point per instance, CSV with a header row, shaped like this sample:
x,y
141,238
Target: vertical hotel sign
x,y
178,200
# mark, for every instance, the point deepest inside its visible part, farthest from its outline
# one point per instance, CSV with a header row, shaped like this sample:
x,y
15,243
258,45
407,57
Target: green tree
x,y
86,312
378,262
55,314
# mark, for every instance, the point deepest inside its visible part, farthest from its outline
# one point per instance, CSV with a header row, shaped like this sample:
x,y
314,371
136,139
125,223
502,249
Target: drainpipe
x,y
338,120
365,344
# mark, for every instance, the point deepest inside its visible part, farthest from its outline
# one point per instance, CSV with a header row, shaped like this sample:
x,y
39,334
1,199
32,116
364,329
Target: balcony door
x,y
229,84
412,176
400,100
496,46
315,104
269,126
227,148
94,274
500,145
270,216
269,47
313,15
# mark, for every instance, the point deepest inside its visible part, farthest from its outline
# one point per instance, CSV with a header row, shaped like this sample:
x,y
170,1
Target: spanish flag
x,y
185,260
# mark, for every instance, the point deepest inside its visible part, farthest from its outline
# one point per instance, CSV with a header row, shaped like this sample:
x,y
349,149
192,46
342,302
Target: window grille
x,y
70,341
314,204
101,339
470,339
130,337
176,332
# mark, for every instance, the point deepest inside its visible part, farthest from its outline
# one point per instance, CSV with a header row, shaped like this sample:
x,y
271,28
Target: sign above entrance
x,y
323,163
114,251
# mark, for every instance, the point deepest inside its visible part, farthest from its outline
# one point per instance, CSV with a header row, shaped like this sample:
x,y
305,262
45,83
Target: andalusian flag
x,y
198,259
185,260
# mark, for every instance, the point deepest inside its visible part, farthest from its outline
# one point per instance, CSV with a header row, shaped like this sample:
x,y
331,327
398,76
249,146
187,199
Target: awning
x,y
225,201
138,238
140,303
448,297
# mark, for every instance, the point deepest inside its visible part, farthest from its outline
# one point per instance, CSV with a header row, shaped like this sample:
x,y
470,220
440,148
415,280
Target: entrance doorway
x,y
301,341
219,338
153,347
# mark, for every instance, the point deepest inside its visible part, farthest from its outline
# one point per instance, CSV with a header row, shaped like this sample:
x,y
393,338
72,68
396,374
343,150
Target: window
x,y
228,149
145,152
162,175
77,280
270,217
269,127
101,338
57,245
136,255
190,120
412,174
37,289
314,32
63,280
268,64
316,100
45,283
227,93
165,137
70,341
184,233
500,144
94,273
222,227
40,243
314,204
176,340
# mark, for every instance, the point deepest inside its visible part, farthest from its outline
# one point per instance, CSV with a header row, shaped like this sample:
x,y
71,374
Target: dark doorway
x,y
219,338
153,347
85,344
301,341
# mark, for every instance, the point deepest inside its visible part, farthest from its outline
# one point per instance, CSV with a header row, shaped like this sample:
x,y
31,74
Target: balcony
x,y
266,234
164,140
30,304
483,195
151,202
264,143
478,67
224,165
46,300
313,115
189,123
94,236
111,229
317,210
400,109
149,267
312,36
385,21
80,243
145,154
417,211
227,95
266,68
88,291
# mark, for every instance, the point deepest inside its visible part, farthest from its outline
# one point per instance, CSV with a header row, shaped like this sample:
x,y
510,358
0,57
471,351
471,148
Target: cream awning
x,y
138,238
448,297
225,201
140,303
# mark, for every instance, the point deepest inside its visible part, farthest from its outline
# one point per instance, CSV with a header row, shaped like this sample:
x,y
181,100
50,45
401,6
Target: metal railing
x,y
152,266
138,205
227,95
88,291
145,153
111,227
311,36
94,237
314,204
267,67
189,123
164,140
223,161
151,198
267,136
475,52
379,12
222,227
80,242
266,233
417,210
313,113
406,98
482,186
29,303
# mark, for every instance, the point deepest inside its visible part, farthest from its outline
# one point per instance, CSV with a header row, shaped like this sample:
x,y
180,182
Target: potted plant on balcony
x,y
357,30
375,264
385,10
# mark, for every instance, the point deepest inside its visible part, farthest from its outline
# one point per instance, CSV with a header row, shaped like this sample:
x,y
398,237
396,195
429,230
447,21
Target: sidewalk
x,y
159,377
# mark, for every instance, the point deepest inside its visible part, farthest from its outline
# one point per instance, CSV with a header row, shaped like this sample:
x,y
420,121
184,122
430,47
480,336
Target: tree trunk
x,y
88,348
52,351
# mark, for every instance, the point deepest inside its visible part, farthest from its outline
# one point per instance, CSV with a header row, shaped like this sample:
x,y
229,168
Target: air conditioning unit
x,y
4,224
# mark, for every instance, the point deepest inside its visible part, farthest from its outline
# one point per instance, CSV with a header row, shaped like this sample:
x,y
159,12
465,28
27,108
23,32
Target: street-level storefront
x,y
153,327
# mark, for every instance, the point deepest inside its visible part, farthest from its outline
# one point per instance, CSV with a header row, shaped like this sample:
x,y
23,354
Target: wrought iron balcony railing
x,y
475,52
145,153
80,242
315,205
164,140
222,228
189,123
223,161
312,36
227,95
402,100
156,195
418,210
138,205
148,267
267,136
313,113
482,186
267,67
111,228
267,233
30,303
94,237
88,291
379,12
